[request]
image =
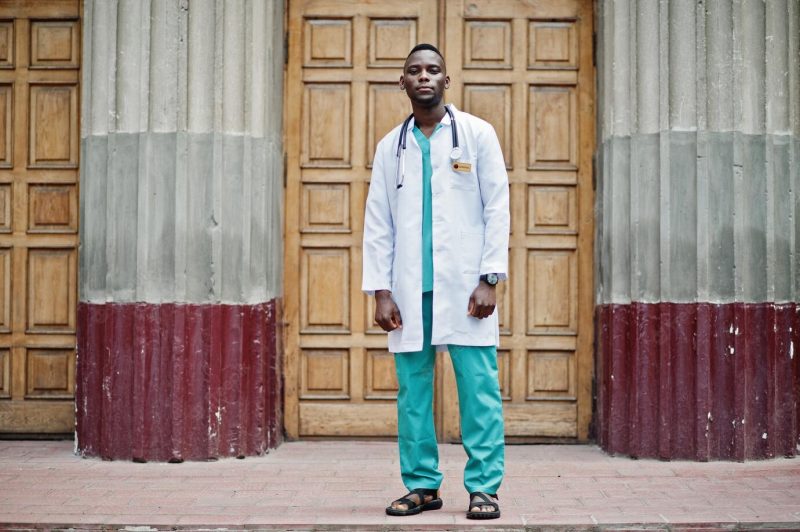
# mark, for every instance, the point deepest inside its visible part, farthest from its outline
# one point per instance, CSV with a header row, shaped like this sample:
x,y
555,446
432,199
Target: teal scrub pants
x,y
480,406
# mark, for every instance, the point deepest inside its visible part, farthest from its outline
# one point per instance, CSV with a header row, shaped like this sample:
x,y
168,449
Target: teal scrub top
x,y
427,224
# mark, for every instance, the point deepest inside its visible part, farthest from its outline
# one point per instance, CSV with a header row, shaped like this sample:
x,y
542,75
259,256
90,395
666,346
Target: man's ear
x,y
447,82
402,86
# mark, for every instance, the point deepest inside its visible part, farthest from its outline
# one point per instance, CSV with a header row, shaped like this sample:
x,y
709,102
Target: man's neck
x,y
426,118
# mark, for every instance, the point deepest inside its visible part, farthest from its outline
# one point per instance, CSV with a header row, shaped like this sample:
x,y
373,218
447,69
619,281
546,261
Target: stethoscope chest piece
x,y
455,153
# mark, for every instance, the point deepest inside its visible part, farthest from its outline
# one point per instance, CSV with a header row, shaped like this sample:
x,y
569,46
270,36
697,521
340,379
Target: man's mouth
x,y
425,89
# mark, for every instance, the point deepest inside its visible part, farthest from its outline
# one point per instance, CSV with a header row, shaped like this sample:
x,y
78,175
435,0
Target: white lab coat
x,y
471,225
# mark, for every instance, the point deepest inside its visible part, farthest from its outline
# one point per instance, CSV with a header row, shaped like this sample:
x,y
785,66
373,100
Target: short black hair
x,y
425,46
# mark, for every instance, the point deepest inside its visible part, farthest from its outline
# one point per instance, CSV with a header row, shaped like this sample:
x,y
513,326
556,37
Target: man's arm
x,y
378,247
493,181
378,244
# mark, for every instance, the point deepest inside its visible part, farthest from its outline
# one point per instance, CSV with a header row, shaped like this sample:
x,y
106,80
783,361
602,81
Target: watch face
x,y
491,278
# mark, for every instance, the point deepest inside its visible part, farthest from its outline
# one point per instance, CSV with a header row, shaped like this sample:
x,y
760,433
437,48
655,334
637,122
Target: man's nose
x,y
423,75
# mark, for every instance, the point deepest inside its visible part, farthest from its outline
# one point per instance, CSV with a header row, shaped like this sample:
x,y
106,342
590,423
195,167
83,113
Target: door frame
x,y
586,109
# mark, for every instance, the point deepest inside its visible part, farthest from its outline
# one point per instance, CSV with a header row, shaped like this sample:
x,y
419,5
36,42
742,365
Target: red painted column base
x,y
173,382
698,381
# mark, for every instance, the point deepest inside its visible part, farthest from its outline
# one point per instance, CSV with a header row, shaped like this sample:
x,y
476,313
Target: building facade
x,y
184,186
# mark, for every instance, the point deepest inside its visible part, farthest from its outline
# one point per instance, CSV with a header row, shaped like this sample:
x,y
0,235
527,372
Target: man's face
x,y
424,78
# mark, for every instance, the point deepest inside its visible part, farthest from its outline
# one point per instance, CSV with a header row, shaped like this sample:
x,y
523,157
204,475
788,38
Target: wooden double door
x,y
526,67
40,61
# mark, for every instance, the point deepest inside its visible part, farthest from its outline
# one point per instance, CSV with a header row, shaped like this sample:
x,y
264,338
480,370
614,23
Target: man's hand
x,y
482,301
387,315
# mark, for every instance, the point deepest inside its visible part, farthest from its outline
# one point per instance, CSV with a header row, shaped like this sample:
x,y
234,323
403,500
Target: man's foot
x,y
414,502
483,506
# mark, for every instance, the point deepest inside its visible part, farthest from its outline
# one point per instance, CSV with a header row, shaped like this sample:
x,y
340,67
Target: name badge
x,y
459,166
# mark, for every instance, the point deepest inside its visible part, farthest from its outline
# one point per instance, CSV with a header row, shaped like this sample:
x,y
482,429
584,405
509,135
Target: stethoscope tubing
x,y
400,172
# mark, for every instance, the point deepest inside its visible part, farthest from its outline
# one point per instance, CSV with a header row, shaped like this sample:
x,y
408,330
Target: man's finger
x,y
396,318
471,306
485,311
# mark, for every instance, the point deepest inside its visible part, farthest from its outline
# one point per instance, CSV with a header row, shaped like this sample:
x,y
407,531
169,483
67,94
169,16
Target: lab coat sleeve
x,y
378,246
493,181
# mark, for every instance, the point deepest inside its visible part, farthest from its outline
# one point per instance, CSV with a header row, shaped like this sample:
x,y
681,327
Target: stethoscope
x,y
400,170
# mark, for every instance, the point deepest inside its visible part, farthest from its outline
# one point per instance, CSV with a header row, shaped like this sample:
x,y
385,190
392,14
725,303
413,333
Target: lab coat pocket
x,y
464,180
472,251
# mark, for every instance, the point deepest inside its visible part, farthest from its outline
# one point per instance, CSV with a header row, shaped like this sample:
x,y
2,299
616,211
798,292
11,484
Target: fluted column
x,y
698,205
181,187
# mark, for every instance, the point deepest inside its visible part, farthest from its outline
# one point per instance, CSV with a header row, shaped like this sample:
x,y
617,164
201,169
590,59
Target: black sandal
x,y
413,507
486,502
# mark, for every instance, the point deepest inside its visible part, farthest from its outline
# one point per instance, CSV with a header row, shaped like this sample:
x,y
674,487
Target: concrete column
x,y
698,228
181,254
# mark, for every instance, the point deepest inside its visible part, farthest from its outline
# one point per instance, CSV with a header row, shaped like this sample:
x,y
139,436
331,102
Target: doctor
x,y
435,245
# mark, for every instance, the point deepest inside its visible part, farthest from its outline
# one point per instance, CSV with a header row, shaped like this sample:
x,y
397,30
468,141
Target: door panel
x,y
517,65
344,62
526,68
39,145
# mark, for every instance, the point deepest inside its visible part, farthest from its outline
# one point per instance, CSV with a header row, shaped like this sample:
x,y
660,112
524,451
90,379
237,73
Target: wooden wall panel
x,y
552,210
387,108
551,374
51,373
487,44
52,290
389,41
53,137
504,373
6,277
552,45
326,208
552,127
328,43
7,44
6,208
552,289
325,284
370,325
5,374
505,302
55,44
326,119
494,104
380,377
52,208
325,374
6,125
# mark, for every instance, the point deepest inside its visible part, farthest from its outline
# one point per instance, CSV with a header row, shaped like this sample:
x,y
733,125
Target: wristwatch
x,y
490,278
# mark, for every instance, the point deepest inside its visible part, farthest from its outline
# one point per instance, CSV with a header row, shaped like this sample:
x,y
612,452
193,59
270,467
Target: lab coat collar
x,y
445,119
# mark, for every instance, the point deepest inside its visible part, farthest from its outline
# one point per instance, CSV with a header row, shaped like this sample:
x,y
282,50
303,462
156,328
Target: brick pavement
x,y
346,485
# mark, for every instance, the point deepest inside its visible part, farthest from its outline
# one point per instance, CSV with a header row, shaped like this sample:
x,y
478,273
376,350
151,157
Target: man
x,y
436,232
